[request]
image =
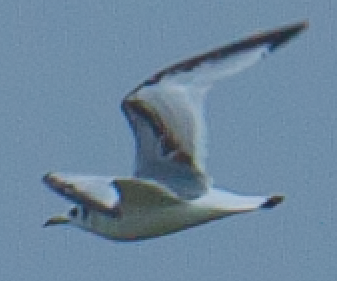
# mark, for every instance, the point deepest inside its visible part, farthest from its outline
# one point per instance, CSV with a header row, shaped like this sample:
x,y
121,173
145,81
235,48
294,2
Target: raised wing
x,y
166,111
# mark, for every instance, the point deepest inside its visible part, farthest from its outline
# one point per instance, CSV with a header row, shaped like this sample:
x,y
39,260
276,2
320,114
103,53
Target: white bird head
x,y
77,215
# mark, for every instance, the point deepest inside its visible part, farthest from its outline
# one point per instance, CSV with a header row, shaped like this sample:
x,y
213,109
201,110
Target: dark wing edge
x,y
74,193
275,39
133,108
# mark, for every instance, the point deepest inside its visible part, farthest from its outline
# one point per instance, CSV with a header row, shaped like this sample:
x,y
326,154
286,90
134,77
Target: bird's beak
x,y
56,220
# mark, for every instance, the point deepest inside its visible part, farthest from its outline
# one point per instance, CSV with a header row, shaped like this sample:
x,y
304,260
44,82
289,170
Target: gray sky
x,y
64,68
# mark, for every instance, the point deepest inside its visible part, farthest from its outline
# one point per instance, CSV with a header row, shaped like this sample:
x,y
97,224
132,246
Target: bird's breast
x,y
149,222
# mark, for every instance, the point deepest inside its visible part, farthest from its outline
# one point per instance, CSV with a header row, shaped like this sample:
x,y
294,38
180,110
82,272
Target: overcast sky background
x,y
64,68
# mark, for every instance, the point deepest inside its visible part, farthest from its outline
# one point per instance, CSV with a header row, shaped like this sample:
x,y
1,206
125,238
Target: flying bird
x,y
170,190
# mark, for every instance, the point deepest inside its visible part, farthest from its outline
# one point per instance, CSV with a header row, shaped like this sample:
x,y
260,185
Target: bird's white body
x,y
151,222
148,222
134,209
170,190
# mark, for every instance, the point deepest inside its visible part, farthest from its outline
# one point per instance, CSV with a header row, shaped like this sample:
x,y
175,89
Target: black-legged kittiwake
x,y
170,190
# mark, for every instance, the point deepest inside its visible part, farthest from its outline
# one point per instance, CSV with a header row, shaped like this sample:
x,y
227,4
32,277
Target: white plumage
x,y
170,190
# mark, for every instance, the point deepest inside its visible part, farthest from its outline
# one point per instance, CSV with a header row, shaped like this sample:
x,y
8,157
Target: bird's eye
x,y
73,212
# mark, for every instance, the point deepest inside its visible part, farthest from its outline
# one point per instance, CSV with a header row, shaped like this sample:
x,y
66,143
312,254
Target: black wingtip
x,y
46,178
282,35
272,202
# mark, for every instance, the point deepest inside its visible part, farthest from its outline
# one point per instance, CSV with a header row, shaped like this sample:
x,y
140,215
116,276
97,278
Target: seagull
x,y
170,189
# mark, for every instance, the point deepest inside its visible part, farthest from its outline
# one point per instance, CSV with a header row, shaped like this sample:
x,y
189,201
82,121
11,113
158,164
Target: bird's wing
x,y
166,111
107,194
143,193
94,192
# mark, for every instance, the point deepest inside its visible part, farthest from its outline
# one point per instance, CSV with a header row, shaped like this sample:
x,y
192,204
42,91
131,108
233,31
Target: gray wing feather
x,y
166,111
